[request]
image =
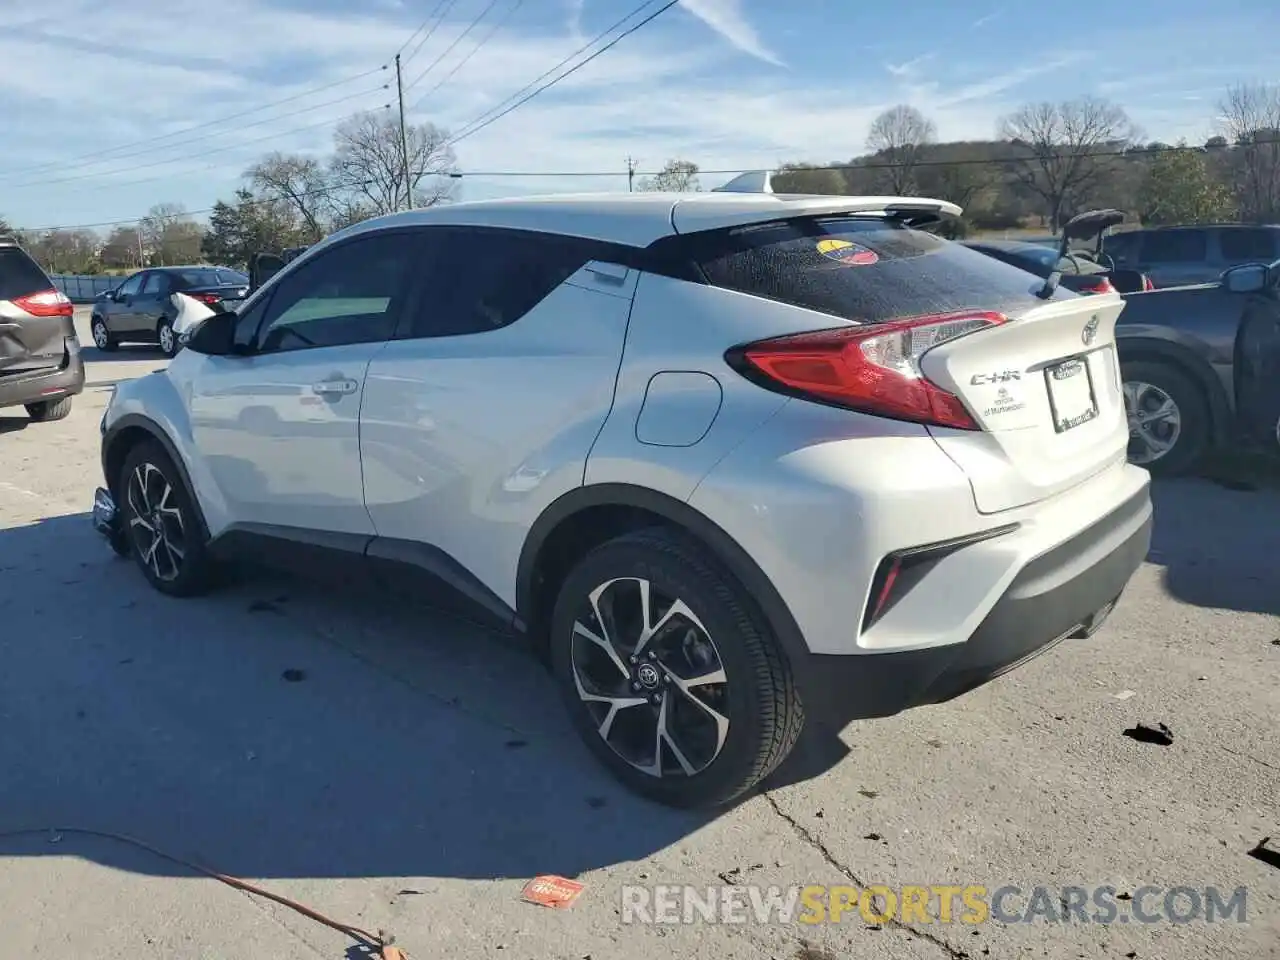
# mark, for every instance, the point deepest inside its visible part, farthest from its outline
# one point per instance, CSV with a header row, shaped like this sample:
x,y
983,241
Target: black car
x,y
1079,272
142,309
40,365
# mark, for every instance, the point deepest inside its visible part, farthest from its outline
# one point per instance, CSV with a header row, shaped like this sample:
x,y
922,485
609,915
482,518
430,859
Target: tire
x,y
47,410
757,697
166,338
1192,412
184,573
102,337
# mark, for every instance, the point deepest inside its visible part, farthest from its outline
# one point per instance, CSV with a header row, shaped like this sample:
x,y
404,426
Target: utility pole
x,y
138,233
631,175
404,139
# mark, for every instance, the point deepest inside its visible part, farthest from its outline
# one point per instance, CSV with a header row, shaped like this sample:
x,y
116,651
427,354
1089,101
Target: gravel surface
x,y
414,772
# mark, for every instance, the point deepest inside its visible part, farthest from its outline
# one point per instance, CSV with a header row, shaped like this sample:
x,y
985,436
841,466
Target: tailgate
x,y
1045,388
29,344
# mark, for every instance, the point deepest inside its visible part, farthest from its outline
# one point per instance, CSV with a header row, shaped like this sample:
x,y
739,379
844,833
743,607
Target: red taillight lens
x,y
46,303
873,368
1099,285
207,298
1146,283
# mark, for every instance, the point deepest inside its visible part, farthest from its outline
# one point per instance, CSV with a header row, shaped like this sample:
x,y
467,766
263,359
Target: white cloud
x,y
726,18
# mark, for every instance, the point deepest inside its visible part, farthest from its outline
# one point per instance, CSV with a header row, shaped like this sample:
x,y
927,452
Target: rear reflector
x,y
874,368
46,303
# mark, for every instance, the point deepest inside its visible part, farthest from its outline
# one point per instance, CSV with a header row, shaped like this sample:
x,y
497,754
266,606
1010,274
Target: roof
x,y
639,219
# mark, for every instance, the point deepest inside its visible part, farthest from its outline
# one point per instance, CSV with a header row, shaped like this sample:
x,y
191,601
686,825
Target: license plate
x,y
1071,396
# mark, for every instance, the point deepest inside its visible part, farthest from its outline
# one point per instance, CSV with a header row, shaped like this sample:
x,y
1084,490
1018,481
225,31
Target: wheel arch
x,y
1188,362
587,516
125,434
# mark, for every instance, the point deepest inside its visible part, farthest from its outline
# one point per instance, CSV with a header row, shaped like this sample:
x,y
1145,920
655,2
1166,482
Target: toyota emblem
x,y
648,675
1090,330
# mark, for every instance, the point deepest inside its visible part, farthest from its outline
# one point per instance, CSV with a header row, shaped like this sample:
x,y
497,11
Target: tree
x,y
1250,116
251,225
1180,188
802,178
1058,146
303,183
896,138
170,236
368,162
123,249
677,176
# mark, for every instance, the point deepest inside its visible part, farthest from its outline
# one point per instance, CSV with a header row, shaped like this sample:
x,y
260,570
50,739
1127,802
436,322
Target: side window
x,y
350,294
247,325
1248,245
1176,246
132,286
483,279
156,285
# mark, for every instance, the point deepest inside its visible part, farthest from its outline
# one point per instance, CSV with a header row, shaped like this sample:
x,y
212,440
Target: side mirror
x,y
1246,278
214,336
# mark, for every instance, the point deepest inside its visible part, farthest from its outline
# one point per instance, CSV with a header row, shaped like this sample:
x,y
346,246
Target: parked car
x,y
729,460
1080,270
1178,256
1201,368
40,365
143,309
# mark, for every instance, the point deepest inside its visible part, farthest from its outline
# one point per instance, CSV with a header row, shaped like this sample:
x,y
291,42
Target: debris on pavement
x,y
1156,733
1123,694
1266,852
548,890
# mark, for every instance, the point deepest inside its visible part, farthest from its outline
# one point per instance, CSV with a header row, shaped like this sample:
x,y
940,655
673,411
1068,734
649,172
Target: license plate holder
x,y
1072,399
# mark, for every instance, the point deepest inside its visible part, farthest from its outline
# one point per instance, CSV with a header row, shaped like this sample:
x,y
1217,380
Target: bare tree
x,y
170,236
1250,116
303,183
896,137
1057,148
368,161
676,176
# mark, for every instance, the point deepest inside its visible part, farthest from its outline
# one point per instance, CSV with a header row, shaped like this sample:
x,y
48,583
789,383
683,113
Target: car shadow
x,y
286,728
9,424
1218,546
124,352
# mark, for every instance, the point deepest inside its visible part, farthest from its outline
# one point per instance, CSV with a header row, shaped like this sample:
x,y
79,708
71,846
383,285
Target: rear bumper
x,y
1064,594
65,381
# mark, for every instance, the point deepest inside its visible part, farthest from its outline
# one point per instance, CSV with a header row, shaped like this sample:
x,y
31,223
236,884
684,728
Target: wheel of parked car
x,y
160,522
1168,417
47,410
102,338
167,338
669,675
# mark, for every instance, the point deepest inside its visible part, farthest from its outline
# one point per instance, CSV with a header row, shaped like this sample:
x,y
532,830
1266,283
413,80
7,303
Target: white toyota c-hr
x,y
728,459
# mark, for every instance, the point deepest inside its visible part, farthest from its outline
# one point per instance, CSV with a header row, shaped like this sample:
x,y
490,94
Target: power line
x,y
474,50
447,6
207,136
582,49
151,141
449,49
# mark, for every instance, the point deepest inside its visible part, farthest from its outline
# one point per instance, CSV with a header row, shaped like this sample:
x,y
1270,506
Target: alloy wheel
x,y
1155,422
100,337
651,677
166,338
155,523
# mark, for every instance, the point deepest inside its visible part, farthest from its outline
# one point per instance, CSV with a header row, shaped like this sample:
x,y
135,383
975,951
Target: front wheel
x,y
670,676
159,520
1169,425
102,338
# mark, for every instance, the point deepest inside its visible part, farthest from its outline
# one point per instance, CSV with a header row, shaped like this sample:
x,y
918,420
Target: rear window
x,y
20,275
184,279
862,269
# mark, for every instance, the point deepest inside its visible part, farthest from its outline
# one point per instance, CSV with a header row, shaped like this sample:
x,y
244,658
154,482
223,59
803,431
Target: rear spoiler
x,y
1091,223
912,211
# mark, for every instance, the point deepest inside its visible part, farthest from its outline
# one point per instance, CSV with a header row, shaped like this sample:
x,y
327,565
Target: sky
x,y
97,101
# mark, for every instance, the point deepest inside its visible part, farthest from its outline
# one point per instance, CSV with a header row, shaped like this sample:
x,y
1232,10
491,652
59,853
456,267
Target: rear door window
x,y
861,269
1248,245
1176,246
20,275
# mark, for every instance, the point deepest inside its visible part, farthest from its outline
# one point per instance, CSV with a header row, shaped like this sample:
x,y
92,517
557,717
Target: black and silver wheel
x,y
1168,417
670,676
167,339
102,338
160,523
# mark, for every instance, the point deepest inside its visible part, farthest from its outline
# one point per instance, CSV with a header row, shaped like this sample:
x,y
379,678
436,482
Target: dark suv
x,y
40,365
1177,256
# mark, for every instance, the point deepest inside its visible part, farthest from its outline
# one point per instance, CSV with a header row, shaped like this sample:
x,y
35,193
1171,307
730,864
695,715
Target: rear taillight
x,y
206,298
1147,284
46,303
1098,285
873,368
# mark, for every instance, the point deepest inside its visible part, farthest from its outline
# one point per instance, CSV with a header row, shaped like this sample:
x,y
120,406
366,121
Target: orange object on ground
x,y
558,893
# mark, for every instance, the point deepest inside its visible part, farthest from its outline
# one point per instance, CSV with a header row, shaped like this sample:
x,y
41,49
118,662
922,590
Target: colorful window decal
x,y
847,252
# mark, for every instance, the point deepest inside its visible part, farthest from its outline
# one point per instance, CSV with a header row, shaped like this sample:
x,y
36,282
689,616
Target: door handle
x,y
334,388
